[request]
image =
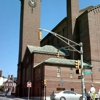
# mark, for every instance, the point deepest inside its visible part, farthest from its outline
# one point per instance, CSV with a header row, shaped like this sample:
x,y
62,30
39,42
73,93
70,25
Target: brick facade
x,y
79,26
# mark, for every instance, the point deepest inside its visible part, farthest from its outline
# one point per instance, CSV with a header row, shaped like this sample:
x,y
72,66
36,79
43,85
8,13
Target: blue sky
x,y
52,12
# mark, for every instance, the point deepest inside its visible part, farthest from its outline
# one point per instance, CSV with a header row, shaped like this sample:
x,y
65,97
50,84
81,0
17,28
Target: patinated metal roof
x,y
62,62
48,49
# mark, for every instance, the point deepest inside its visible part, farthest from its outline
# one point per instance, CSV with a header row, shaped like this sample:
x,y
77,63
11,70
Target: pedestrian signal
x,y
78,71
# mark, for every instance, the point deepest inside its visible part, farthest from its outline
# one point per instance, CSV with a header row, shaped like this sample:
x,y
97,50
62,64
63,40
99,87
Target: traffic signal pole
x,y
82,74
72,44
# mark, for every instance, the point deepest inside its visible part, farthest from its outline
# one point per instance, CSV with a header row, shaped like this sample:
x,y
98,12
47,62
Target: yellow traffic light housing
x,y
44,82
57,53
40,35
77,64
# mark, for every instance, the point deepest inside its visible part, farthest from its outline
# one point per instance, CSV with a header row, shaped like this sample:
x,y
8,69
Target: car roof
x,y
66,91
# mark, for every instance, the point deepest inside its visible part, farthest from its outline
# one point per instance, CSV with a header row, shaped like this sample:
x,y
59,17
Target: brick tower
x,y
72,13
29,24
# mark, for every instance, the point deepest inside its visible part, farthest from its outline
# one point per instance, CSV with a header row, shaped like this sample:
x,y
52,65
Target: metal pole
x,y
45,92
80,52
82,80
28,92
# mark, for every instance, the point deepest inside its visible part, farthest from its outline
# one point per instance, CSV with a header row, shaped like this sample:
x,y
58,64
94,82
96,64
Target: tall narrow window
x,y
71,72
58,40
65,32
48,42
58,72
28,73
52,40
80,26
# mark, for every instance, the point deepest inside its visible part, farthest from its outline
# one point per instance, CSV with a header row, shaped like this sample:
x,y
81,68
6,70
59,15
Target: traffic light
x,y
44,82
39,35
77,65
78,71
57,53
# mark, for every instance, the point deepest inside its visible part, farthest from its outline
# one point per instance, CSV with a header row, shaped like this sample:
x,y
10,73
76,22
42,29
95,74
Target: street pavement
x,y
10,97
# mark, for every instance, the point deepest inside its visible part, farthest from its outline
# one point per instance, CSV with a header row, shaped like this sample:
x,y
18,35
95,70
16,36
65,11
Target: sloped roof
x,y
87,8
47,49
90,8
93,8
61,61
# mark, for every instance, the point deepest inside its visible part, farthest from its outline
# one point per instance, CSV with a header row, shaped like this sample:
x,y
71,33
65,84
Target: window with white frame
x,y
58,72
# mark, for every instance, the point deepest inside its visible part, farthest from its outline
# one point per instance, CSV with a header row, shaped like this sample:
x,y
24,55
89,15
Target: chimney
x,y
8,77
12,77
0,73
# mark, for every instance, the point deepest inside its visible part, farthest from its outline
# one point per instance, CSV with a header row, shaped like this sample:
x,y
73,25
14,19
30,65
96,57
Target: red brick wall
x,y
41,57
94,33
53,82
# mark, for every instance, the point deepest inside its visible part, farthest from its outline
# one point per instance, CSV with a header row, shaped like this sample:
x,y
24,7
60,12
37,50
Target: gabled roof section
x,y
90,8
62,62
48,49
93,8
87,8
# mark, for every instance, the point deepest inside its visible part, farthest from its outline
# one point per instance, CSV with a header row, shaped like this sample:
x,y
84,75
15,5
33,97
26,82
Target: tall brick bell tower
x,y
72,14
29,24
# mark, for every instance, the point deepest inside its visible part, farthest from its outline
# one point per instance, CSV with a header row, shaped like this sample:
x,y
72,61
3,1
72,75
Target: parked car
x,y
65,95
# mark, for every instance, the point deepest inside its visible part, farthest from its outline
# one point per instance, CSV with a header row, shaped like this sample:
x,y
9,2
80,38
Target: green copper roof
x,y
62,62
47,49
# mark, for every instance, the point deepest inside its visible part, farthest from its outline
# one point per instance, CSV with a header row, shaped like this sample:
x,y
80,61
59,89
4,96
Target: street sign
x,y
29,84
86,66
80,77
87,72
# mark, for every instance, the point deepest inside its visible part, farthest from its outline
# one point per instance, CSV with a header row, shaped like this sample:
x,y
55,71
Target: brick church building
x,y
38,61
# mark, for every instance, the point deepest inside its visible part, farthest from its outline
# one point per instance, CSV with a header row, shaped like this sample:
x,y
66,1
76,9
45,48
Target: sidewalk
x,y
11,97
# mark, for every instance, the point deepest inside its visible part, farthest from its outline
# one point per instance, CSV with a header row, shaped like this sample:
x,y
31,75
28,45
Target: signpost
x,y
80,77
45,82
29,85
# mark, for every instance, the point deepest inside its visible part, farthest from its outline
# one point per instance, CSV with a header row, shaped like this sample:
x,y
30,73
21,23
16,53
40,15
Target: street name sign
x,y
87,72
